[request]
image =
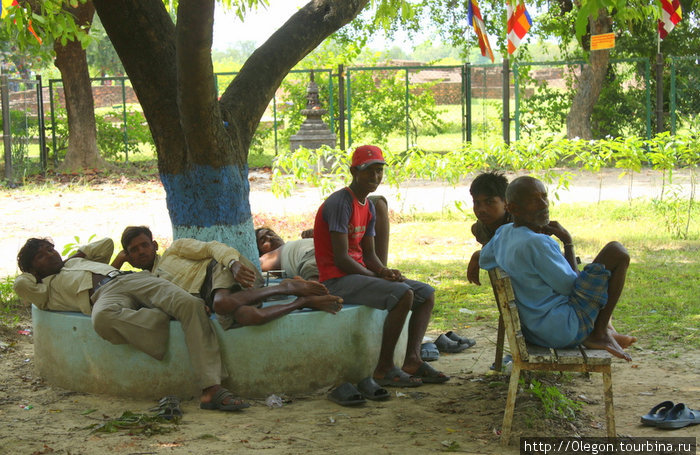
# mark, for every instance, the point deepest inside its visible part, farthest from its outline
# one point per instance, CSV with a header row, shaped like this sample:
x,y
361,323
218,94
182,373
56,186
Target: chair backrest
x,y
505,298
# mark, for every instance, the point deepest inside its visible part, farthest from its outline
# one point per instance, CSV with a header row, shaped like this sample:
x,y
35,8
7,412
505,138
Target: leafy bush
x,y
114,142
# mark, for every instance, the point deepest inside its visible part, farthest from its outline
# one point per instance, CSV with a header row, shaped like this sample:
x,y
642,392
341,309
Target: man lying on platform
x,y
227,281
126,308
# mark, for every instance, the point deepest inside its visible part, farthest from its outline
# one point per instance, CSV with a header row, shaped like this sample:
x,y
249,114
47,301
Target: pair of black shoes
x,y
448,342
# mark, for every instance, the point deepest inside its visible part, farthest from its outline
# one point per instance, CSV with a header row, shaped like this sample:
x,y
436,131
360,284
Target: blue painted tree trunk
x,y
208,203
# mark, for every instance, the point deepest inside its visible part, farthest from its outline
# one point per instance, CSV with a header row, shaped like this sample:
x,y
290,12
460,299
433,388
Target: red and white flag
x,y
519,23
476,21
670,16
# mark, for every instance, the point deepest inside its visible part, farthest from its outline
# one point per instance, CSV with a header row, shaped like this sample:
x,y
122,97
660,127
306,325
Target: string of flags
x,y
519,23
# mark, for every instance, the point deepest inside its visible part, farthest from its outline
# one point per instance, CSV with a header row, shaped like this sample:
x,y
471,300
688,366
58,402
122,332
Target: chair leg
x,y
498,363
609,410
510,404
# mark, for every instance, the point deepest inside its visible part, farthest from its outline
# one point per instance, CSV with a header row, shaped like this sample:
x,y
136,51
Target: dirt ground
x,y
463,415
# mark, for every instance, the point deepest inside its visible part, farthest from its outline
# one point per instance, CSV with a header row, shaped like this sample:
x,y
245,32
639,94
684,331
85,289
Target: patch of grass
x,y
11,309
659,304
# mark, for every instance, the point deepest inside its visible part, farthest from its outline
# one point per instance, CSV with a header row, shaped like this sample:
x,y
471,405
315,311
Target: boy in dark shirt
x,y
488,192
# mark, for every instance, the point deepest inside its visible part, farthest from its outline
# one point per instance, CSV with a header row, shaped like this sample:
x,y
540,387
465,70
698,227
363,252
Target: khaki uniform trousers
x,y
136,309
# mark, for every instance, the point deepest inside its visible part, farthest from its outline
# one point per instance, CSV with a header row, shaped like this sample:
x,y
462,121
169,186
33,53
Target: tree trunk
x,y
590,83
202,164
71,61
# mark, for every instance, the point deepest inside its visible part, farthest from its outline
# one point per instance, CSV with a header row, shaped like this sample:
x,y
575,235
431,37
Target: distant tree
x,y
101,56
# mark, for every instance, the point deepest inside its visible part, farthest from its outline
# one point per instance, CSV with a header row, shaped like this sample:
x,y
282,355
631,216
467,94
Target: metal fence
x,y
22,125
434,108
684,103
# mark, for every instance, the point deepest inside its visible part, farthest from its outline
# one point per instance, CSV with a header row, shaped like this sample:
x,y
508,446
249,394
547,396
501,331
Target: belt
x,y
109,277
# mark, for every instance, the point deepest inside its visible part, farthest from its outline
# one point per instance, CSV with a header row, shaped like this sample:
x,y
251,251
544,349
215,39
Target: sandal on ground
x,y
396,377
429,352
346,395
371,390
168,408
430,375
219,402
680,416
444,344
461,340
657,413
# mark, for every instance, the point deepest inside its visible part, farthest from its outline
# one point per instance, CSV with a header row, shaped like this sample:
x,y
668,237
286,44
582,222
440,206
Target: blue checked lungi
x,y
589,297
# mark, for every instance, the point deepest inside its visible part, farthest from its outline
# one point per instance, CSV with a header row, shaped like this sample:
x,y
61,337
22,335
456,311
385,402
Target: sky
x,y
259,26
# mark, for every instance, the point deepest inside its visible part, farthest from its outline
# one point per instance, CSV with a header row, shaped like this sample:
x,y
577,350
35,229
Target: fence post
x,y
43,157
53,124
349,104
408,114
6,127
467,120
341,106
659,92
506,101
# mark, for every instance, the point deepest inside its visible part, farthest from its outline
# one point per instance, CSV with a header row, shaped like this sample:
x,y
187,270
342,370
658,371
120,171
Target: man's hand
x,y
473,268
119,261
558,231
391,274
307,234
242,274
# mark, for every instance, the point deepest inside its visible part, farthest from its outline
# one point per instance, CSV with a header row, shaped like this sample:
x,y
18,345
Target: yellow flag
x,y
5,4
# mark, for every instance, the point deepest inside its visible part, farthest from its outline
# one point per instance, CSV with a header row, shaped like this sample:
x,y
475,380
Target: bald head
x,y
526,200
520,187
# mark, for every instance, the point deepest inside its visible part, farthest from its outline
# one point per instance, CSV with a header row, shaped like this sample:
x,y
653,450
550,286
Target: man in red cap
x,y
348,265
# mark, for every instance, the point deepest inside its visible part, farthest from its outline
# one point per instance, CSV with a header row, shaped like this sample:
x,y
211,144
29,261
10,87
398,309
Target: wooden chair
x,y
531,357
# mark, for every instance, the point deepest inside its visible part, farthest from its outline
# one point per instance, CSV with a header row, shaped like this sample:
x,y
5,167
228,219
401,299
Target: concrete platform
x,y
298,353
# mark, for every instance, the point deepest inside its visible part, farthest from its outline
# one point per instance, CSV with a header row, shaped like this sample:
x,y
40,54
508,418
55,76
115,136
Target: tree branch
x,y
248,95
197,98
143,35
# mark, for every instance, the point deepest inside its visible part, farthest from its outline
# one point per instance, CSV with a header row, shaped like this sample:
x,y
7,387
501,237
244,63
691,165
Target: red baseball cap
x,y
366,155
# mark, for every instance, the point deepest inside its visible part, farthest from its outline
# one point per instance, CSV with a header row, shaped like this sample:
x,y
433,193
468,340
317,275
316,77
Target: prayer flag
x,y
6,4
670,16
519,23
475,20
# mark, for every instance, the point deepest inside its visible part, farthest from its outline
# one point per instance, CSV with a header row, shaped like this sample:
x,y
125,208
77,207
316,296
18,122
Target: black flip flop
x,y
461,340
346,395
657,414
680,416
429,352
444,344
168,408
430,375
371,390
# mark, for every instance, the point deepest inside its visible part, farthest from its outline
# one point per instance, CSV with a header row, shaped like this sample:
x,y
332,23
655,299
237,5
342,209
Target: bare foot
x,y
608,343
328,303
624,341
299,287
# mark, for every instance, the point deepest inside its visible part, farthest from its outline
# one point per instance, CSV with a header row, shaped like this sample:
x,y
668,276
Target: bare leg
x,y
328,303
299,287
616,259
393,325
226,301
625,341
417,326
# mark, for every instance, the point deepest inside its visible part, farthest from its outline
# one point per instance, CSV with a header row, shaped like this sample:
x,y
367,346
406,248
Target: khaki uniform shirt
x,y
185,262
69,289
